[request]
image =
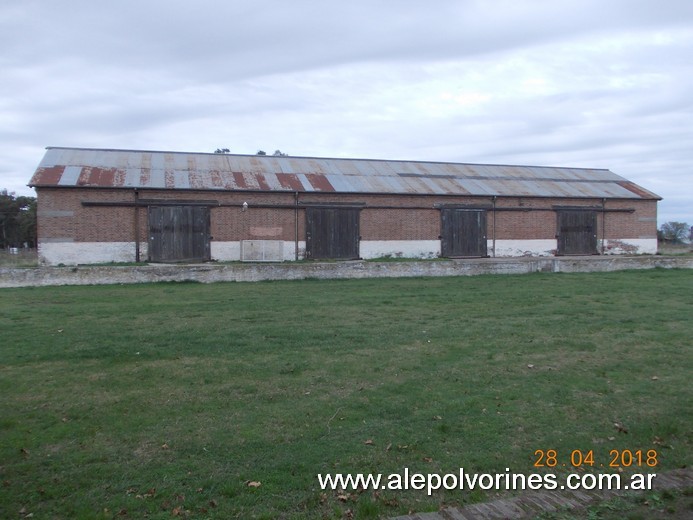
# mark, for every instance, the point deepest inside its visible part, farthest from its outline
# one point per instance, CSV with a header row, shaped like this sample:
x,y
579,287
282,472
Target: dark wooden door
x,y
463,232
332,233
179,234
577,232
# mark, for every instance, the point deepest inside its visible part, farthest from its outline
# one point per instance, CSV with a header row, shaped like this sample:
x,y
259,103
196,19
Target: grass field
x,y
165,400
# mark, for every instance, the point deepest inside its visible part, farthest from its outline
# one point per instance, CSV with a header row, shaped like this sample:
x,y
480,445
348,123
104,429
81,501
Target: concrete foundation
x,y
254,272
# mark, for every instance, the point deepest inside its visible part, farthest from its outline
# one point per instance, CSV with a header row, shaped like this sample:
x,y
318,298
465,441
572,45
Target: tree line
x,y
277,153
17,220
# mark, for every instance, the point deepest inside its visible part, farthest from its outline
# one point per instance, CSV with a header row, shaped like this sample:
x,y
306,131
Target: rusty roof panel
x,y
262,182
306,186
98,177
203,171
48,175
319,182
181,179
272,182
199,180
638,190
289,181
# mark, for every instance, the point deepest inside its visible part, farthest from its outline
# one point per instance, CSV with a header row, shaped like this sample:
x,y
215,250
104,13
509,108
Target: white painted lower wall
x,y
225,251
262,250
623,246
630,246
73,253
522,248
290,250
399,248
231,251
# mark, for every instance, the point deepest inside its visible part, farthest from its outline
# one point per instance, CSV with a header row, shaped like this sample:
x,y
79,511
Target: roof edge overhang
x,y
333,193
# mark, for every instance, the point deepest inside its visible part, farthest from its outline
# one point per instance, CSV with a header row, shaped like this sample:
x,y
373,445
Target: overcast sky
x,y
603,83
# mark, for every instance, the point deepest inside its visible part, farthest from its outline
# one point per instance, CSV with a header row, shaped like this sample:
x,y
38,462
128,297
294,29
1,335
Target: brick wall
x,y
641,224
62,216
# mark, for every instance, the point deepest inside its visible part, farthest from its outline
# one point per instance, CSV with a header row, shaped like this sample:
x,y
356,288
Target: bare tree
x,y
674,232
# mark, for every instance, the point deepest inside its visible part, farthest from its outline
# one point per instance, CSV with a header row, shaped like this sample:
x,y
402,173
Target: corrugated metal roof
x,y
81,167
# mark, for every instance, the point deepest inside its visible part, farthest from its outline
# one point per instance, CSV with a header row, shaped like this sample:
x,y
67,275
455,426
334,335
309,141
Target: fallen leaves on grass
x,y
389,502
620,427
369,442
658,441
149,494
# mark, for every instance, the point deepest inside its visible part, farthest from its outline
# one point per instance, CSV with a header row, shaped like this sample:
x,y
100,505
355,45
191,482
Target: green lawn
x,y
164,400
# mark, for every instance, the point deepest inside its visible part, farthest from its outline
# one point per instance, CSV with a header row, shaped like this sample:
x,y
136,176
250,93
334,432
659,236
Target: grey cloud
x,y
238,39
360,78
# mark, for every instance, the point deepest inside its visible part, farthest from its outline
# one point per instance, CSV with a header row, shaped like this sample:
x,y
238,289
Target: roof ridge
x,y
360,159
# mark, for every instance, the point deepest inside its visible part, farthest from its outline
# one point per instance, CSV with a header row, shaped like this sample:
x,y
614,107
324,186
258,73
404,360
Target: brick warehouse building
x,y
122,206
